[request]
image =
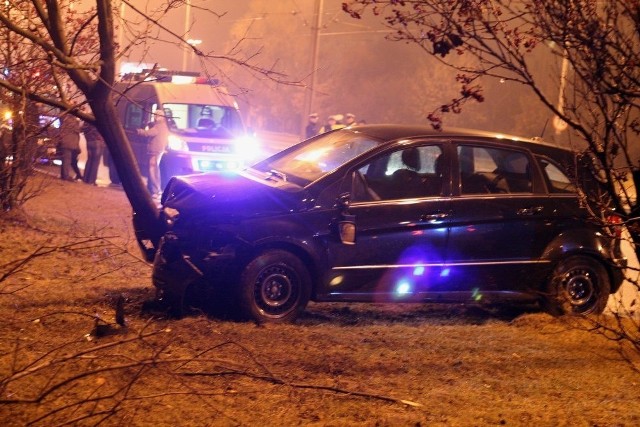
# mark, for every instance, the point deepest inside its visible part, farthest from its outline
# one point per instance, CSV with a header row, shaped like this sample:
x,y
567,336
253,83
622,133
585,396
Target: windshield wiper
x,y
276,174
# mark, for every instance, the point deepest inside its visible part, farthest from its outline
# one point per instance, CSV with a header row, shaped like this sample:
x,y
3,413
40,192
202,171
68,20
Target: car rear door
x,y
498,220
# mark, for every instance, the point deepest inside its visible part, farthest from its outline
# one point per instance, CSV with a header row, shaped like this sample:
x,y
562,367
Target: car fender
x,y
578,241
291,236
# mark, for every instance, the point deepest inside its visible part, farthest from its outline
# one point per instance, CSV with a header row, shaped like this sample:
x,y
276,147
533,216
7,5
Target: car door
x,y
400,204
497,219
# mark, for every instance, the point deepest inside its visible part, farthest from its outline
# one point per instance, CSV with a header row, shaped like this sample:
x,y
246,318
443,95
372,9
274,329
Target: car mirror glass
x,y
347,229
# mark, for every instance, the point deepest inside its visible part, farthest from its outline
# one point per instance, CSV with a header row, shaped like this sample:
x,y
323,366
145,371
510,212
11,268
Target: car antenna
x,y
544,128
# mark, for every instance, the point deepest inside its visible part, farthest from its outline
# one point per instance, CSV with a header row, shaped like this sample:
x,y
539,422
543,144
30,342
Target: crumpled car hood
x,y
228,193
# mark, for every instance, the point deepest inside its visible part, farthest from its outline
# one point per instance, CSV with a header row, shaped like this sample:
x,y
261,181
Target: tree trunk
x,y
148,224
148,227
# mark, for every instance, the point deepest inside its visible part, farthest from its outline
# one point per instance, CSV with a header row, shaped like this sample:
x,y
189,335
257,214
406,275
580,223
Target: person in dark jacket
x,y
312,126
70,146
95,149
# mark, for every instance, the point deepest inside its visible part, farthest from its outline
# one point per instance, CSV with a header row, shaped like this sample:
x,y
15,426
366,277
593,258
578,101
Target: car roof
x,y
392,132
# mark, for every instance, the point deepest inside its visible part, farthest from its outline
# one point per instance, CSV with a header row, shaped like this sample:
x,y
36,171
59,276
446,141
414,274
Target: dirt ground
x,y
69,259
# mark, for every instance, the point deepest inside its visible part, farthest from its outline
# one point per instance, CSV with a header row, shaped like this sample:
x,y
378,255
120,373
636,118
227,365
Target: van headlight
x,y
175,143
248,147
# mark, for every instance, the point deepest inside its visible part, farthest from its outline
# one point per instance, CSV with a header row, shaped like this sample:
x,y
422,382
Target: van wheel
x,y
274,287
578,285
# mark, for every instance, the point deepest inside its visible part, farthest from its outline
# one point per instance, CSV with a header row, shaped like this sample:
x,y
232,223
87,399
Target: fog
x,y
356,69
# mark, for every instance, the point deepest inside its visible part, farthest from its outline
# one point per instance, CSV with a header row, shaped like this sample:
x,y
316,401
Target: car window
x,y
493,170
134,117
557,180
406,173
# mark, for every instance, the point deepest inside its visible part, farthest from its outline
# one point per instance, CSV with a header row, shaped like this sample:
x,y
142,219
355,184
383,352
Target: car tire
x,y
578,285
274,287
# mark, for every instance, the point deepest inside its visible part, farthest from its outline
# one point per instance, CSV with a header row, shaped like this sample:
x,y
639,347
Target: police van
x,y
207,133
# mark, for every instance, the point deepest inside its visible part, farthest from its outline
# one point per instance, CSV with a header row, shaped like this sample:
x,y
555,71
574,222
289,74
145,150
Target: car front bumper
x,y
174,270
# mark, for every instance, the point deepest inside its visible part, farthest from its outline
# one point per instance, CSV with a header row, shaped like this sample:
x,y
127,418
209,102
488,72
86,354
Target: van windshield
x,y
203,120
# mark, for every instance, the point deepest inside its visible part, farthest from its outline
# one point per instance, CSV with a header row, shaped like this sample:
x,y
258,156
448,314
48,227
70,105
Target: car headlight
x,y
176,143
170,216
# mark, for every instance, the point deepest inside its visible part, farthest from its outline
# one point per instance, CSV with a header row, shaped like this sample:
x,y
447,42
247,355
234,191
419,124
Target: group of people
x,y
158,132
335,121
69,138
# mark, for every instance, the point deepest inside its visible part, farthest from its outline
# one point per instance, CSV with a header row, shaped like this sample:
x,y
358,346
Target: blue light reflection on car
x,y
403,288
411,275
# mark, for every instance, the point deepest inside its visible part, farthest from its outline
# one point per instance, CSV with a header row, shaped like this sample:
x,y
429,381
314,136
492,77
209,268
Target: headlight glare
x,y
176,143
247,147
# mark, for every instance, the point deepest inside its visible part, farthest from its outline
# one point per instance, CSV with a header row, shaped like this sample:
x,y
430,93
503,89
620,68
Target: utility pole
x,y
309,96
187,29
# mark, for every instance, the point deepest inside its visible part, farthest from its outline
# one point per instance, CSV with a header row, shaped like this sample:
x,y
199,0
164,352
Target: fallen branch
x,y
333,389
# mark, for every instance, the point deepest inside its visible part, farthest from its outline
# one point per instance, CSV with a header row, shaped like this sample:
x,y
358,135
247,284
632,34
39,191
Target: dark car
x,y
386,213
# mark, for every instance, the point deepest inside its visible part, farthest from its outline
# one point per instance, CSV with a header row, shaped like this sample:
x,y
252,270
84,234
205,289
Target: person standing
x,y
159,134
5,143
350,119
70,146
330,125
312,126
113,173
95,149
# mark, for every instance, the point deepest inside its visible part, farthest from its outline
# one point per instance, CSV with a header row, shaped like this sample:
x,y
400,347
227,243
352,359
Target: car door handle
x,y
533,210
436,216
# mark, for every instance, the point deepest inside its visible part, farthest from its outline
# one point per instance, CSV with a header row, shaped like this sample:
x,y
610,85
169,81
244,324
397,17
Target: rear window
x,y
557,180
493,170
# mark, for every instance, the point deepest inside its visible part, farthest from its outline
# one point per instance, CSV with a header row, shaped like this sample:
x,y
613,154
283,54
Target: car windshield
x,y
203,120
309,161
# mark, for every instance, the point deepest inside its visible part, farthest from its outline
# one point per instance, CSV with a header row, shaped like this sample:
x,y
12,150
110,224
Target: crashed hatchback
x,y
386,213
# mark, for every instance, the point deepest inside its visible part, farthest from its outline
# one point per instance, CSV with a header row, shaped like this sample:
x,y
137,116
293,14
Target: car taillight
x,y
615,224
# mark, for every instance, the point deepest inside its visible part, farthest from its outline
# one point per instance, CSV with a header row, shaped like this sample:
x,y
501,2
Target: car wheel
x,y
274,287
578,285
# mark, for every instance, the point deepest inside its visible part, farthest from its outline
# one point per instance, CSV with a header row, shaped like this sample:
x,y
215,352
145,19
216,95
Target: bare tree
x,y
77,69
80,60
591,82
25,69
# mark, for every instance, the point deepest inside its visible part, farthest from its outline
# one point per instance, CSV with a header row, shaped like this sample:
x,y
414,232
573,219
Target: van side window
x,y
134,117
557,181
493,170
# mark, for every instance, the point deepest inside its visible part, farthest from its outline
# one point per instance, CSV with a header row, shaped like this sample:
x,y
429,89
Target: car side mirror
x,y
343,201
347,222
347,229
